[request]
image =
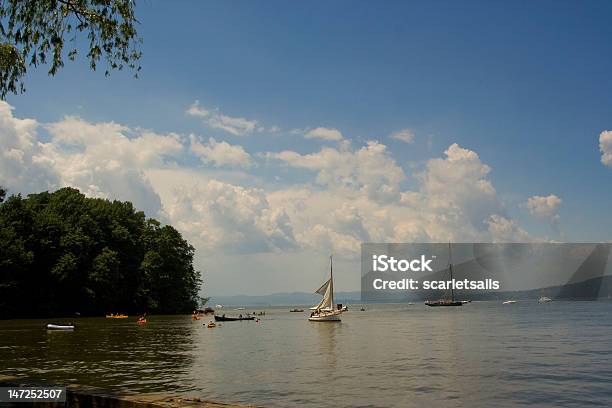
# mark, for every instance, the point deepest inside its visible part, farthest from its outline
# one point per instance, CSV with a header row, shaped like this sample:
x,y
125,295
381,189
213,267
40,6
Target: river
x,y
481,354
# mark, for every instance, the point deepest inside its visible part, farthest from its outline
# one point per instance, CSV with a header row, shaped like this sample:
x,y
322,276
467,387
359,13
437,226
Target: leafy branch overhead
x,y
34,32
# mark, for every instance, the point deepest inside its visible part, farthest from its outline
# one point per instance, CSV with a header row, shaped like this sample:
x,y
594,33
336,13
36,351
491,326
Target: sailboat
x,y
326,311
451,301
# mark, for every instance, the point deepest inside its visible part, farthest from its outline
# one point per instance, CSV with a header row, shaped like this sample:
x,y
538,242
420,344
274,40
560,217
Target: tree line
x,y
62,253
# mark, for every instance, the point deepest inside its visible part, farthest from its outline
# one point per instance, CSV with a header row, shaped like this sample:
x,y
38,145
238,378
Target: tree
x,y
34,32
62,253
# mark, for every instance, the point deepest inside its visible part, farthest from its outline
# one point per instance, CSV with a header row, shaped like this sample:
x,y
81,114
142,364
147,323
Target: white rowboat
x,y
60,327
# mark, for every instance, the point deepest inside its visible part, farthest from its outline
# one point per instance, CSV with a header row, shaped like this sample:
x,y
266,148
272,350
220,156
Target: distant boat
x,y
219,306
211,324
116,316
451,301
60,327
544,299
509,302
240,308
296,310
232,319
326,311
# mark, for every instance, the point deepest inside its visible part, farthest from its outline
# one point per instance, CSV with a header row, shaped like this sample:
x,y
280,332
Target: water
x,y
481,354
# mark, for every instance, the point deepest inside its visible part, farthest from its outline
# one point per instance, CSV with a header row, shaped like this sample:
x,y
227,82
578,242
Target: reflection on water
x,y
482,354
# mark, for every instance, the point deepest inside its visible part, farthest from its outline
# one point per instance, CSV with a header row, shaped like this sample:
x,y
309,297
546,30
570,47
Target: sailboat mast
x,y
331,274
450,268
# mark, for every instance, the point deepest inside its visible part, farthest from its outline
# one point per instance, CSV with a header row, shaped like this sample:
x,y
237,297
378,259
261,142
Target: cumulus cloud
x,y
220,153
454,200
458,185
324,134
605,146
347,194
544,207
100,159
108,159
23,166
237,126
404,135
231,218
503,229
370,169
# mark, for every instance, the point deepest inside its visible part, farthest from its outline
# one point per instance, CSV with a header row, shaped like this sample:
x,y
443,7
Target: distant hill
x,y
282,299
589,289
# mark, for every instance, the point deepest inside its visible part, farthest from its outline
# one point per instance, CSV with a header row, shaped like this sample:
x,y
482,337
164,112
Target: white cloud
x,y
225,217
237,126
505,230
370,169
23,167
108,159
404,135
324,134
544,207
605,146
458,185
220,153
454,200
346,195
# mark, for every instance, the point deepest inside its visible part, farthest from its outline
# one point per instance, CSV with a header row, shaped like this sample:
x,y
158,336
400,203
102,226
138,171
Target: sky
x,y
271,134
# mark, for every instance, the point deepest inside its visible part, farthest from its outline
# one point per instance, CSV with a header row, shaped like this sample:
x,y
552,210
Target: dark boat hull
x,y
443,303
232,319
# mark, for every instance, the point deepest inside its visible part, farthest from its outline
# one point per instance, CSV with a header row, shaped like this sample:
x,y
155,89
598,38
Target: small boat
x,y
218,306
466,301
296,310
60,326
141,321
240,308
544,299
443,302
195,317
116,316
509,302
451,301
211,324
224,318
325,310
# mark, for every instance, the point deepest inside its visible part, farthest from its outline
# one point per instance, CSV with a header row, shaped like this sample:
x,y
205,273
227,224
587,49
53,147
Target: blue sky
x,y
524,85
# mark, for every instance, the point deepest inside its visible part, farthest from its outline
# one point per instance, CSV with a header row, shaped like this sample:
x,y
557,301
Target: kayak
x,y
60,327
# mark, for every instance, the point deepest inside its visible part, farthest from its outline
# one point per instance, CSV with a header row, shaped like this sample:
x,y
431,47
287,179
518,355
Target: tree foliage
x,y
62,253
34,32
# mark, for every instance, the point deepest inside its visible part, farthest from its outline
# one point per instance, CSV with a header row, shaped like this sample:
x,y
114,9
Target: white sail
x,y
327,290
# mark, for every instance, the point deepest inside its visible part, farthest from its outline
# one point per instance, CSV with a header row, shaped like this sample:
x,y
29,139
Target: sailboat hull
x,y
335,318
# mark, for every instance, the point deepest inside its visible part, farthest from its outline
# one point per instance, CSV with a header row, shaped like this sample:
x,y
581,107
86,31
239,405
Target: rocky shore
x,y
85,396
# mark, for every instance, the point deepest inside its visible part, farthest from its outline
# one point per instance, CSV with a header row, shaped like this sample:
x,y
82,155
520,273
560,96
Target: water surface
x,y
481,354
